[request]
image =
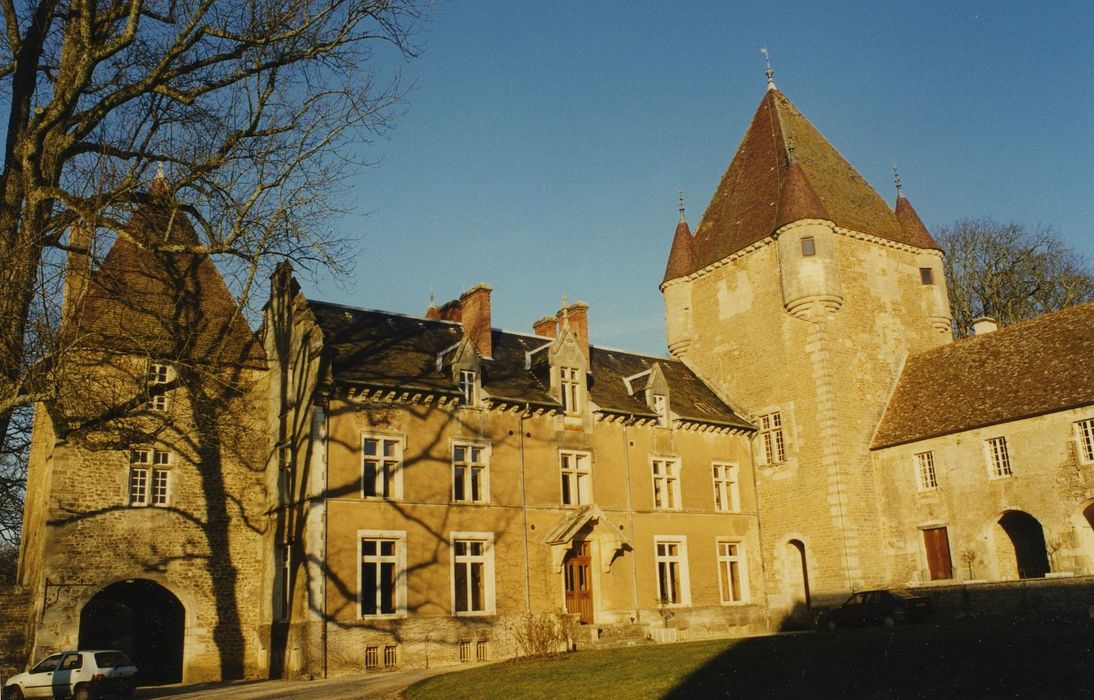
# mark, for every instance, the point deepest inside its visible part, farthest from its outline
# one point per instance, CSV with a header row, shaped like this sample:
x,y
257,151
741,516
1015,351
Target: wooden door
x,y
579,582
937,545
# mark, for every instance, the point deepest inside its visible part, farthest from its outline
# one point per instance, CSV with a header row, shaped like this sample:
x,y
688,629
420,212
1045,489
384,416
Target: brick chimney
x,y
546,327
578,313
983,325
474,314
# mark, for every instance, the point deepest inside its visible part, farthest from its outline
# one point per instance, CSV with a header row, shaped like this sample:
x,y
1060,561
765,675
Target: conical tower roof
x,y
797,200
748,204
912,225
682,255
166,305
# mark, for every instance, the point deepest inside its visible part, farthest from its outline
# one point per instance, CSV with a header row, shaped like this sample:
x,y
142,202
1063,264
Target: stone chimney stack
x,y
983,325
79,268
546,327
578,314
474,314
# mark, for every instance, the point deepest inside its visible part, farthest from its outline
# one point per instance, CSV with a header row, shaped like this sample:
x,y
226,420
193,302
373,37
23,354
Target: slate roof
x,y
752,197
165,305
1026,369
386,350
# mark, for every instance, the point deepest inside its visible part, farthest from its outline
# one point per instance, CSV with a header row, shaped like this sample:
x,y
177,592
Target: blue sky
x,y
544,143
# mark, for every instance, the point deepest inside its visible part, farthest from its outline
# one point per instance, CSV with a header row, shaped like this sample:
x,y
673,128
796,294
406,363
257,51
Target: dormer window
x,y
568,383
469,387
661,408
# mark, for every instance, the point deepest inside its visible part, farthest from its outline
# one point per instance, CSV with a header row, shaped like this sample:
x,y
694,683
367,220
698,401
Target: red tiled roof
x,y
162,304
1027,369
797,200
682,254
746,206
913,225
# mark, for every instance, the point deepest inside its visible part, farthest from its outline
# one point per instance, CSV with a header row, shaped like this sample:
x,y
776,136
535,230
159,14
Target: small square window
x,y
926,275
372,657
809,247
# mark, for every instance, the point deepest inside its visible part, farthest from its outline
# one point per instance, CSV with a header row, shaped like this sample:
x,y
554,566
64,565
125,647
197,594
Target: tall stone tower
x,y
144,525
799,297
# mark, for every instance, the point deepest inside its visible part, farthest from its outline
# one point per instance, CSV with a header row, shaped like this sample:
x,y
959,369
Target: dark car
x,y
876,608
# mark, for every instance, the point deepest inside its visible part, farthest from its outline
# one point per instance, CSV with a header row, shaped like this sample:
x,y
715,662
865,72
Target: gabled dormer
x,y
568,371
652,387
463,363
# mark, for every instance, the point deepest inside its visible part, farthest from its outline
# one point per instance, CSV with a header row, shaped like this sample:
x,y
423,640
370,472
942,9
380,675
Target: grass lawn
x,y
971,658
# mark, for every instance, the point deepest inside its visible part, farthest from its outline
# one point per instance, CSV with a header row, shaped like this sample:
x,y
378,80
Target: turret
x,y
677,288
808,259
929,260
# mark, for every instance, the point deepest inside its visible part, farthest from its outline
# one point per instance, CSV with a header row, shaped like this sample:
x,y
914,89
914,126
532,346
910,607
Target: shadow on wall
x,y
997,656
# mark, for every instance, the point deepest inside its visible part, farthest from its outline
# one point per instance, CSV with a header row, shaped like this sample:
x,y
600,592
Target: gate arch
x,y
143,619
1027,538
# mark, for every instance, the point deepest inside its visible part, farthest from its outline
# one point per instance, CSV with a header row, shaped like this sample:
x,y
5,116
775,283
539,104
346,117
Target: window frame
x,y
661,408
725,563
378,479
682,573
469,388
151,469
1000,464
808,246
284,577
727,492
486,559
569,386
467,483
579,478
772,438
669,480
1084,436
158,373
926,475
398,558
926,276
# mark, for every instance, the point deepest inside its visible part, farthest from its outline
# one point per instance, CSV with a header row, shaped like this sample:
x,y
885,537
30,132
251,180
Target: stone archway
x,y
143,619
1027,541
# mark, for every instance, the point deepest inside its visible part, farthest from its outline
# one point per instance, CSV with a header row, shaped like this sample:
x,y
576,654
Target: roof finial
x,y
683,219
432,301
565,312
770,72
896,179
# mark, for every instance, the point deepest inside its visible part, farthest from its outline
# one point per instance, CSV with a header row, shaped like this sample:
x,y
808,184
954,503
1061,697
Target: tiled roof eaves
x,y
400,385
896,442
742,425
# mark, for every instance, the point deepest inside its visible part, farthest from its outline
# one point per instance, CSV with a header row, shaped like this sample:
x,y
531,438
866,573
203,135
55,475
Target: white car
x,y
82,675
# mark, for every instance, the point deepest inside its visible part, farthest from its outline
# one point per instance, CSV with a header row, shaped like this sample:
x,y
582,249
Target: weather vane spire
x,y
769,72
682,217
896,180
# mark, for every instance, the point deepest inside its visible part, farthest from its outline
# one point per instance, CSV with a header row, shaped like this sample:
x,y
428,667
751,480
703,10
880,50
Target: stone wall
x,y
1056,597
15,616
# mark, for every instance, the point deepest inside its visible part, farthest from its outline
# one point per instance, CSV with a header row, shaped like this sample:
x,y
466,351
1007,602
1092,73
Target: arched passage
x,y
1027,537
1088,513
143,619
797,582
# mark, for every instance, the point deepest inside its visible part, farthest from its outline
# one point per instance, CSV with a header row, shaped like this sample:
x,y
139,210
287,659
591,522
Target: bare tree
x,y
1009,272
250,107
